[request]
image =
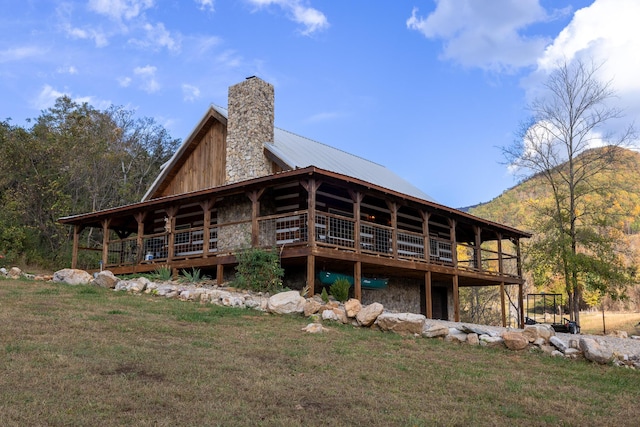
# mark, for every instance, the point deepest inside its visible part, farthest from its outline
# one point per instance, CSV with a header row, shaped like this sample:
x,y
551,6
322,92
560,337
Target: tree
x,y
560,145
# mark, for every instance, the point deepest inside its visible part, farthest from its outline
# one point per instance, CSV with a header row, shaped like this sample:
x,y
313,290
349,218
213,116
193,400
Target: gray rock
x,y
533,332
105,279
368,315
473,339
491,341
595,352
402,323
473,329
72,276
290,302
456,335
435,330
558,343
330,315
515,340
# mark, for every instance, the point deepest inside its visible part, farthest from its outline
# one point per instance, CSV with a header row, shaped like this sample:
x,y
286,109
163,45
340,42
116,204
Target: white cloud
x,y
99,37
607,31
20,53
190,92
158,36
67,70
323,117
312,19
124,81
206,5
148,76
120,9
485,33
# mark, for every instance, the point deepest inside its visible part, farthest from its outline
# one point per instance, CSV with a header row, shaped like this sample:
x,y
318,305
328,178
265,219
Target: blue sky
x,y
428,88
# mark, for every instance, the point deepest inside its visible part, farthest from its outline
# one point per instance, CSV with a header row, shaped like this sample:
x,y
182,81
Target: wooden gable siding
x,y
204,167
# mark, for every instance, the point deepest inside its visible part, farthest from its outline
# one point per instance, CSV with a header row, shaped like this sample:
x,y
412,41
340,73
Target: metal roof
x,y
298,152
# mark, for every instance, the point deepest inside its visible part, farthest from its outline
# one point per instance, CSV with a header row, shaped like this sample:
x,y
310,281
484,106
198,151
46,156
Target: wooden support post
x,y
170,228
456,299
477,248
312,187
311,276
393,207
254,196
105,242
220,274
428,300
520,305
206,228
357,282
425,236
357,197
454,243
502,307
500,261
76,242
140,216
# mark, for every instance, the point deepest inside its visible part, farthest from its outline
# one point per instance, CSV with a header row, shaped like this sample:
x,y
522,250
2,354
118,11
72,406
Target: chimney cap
x,y
250,77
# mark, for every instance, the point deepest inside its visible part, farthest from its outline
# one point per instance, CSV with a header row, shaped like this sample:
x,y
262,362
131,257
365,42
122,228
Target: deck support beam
x,y
105,243
219,274
357,282
502,307
520,294
428,300
311,280
77,229
254,196
456,299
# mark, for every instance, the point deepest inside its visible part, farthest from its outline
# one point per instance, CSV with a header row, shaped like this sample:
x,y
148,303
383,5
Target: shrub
x,y
340,289
324,295
259,270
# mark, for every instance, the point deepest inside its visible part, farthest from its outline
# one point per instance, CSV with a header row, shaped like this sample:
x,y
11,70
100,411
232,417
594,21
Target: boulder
x,y
72,276
286,303
311,306
341,314
435,330
491,341
138,284
473,339
14,273
330,315
558,343
105,279
595,352
533,332
456,335
402,323
352,307
369,314
515,340
620,334
314,328
474,329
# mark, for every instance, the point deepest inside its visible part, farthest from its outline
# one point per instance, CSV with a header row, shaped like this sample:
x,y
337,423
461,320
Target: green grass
x,y
74,355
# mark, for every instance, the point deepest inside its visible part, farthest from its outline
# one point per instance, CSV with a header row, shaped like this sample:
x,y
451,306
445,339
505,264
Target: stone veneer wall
x,y
235,236
249,126
402,295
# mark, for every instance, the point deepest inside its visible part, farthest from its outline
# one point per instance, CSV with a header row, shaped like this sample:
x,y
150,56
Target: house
x,y
238,181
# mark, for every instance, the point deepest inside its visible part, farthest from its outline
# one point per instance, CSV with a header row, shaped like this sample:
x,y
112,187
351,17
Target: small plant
x,y
340,289
305,291
163,273
192,276
324,295
259,270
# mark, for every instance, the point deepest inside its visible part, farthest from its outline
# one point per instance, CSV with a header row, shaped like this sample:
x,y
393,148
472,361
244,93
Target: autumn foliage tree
x,y
73,159
565,146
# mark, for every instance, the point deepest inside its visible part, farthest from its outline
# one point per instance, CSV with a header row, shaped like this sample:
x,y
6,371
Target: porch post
x,y
311,280
76,242
357,284
140,216
500,266
169,228
425,236
357,197
456,299
520,294
206,226
454,243
502,307
427,295
477,251
393,207
255,212
105,241
219,274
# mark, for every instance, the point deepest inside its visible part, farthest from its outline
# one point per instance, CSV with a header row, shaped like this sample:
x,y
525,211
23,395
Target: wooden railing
x,y
331,230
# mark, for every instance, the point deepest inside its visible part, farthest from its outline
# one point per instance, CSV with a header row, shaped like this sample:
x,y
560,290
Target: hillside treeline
x,y
612,209
72,159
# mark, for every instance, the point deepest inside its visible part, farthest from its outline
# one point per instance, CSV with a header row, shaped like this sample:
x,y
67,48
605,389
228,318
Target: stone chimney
x,y
249,125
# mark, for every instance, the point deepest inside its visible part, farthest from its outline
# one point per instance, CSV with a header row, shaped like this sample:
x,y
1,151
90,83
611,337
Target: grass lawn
x,y
88,356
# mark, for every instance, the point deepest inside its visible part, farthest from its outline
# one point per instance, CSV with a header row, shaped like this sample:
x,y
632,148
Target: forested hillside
x,y
73,159
614,207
